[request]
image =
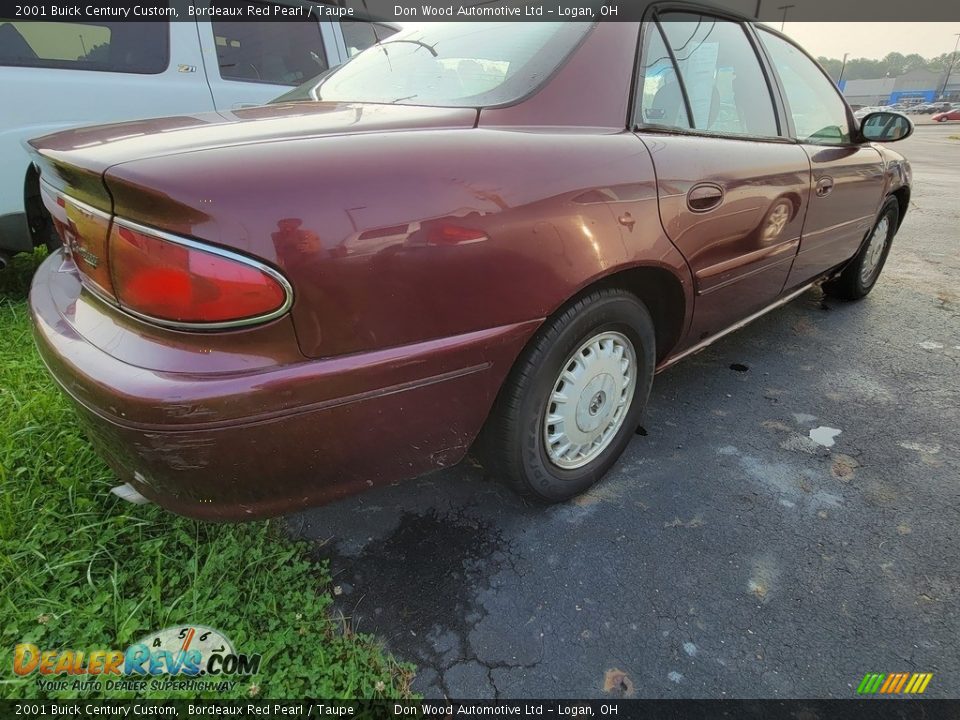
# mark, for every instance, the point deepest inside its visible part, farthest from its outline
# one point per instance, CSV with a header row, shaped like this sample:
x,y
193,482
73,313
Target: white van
x,y
55,75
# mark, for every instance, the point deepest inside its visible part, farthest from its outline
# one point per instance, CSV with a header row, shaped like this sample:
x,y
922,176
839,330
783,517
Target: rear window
x,y
450,65
280,53
126,47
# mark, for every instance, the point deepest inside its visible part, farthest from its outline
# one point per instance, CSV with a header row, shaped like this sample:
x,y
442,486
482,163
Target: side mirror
x,y
885,126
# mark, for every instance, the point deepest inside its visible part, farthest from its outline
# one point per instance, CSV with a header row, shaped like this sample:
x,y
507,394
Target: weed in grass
x,y
81,569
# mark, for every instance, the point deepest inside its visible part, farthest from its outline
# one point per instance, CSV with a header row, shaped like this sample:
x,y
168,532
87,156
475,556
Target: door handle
x,y
824,186
704,196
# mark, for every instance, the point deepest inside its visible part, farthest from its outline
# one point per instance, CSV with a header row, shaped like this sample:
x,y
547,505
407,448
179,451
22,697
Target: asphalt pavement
x,y
733,551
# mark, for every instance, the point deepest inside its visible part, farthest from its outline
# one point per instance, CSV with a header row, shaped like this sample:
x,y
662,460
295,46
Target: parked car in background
x,y
931,108
953,114
862,112
475,235
57,75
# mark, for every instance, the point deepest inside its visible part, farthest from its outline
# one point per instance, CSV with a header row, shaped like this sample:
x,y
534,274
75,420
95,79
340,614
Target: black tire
x,y
512,446
850,283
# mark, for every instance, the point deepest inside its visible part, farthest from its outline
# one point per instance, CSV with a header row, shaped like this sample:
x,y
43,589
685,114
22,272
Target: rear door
x,y
732,188
847,177
251,62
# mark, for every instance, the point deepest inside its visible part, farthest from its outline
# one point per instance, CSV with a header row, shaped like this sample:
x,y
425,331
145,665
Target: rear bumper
x,y
245,444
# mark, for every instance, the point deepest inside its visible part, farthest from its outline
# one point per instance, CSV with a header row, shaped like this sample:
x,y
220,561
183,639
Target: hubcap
x,y
875,247
589,400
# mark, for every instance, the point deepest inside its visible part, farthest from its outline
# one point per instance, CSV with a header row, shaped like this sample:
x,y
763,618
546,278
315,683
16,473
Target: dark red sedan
x,y
470,236
945,116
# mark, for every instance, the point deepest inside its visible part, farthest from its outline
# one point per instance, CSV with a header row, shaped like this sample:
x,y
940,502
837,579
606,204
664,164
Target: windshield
x,y
449,65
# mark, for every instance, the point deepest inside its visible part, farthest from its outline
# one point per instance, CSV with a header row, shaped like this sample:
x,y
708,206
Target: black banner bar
x,y
464,10
527,709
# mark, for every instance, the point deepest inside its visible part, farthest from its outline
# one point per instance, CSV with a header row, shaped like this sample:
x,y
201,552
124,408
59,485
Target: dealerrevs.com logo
x,y
903,683
193,658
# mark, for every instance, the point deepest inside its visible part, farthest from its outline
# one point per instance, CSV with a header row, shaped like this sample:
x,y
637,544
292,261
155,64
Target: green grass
x,y
81,569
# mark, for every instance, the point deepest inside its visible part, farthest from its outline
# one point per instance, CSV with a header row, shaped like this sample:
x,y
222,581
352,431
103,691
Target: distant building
x,y
916,86
868,92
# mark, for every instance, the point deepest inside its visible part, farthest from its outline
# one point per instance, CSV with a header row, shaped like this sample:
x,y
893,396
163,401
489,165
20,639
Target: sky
x,y
872,40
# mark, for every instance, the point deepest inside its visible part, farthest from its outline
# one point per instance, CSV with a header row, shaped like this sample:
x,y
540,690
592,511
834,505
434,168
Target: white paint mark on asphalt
x,y
690,649
822,497
921,447
824,435
787,503
727,450
763,577
928,345
674,676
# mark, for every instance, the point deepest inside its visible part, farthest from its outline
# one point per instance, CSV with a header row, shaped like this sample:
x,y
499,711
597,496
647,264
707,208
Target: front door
x,y
847,178
733,191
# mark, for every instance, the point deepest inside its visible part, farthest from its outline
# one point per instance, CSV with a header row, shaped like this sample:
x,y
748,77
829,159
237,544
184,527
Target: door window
x,y
720,75
819,114
127,47
660,97
281,53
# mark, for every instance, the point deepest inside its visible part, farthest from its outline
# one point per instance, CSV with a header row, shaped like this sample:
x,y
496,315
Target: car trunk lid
x,y
88,152
87,195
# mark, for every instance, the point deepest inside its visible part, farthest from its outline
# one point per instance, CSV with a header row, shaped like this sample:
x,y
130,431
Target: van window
x,y
359,35
127,47
280,53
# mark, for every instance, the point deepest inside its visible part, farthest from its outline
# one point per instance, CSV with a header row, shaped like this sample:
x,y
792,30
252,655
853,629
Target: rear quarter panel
x,y
357,222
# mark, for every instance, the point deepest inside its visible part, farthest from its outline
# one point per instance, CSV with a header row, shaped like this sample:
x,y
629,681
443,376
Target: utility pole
x,y
842,68
953,61
784,21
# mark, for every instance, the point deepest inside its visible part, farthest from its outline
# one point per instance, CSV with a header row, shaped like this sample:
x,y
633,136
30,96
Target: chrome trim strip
x,y
736,326
79,203
212,250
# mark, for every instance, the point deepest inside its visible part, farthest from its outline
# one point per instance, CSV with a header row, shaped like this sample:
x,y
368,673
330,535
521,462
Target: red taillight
x,y
179,282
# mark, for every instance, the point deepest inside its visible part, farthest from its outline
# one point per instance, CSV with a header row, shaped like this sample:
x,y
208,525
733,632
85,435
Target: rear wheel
x,y
574,399
860,275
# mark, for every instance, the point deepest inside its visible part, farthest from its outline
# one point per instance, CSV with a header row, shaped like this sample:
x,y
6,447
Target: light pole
x,y
842,68
953,60
784,21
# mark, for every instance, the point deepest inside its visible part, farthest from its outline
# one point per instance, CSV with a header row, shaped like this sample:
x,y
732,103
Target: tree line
x,y
893,65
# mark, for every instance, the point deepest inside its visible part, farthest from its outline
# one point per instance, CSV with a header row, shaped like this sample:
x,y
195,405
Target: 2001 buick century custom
x,y
486,236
